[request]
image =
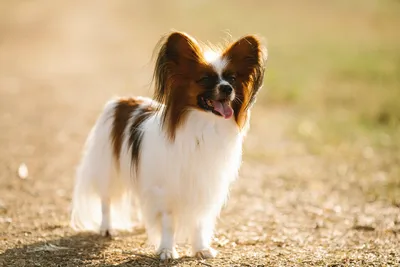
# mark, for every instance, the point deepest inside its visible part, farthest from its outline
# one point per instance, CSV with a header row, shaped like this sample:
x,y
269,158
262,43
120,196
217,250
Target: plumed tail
x,y
97,182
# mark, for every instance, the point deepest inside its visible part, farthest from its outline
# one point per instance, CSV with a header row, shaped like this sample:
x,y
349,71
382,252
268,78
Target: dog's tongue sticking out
x,y
223,108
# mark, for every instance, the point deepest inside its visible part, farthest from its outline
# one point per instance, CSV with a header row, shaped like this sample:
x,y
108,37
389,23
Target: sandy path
x,y
287,208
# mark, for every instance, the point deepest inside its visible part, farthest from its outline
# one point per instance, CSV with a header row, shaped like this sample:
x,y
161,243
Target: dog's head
x,y
224,82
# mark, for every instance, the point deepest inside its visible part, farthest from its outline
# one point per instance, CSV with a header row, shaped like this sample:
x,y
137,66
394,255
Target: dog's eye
x,y
231,78
205,79
208,81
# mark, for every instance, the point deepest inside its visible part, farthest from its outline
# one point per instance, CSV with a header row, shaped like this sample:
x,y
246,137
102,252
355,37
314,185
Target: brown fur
x,y
180,64
247,60
136,134
123,111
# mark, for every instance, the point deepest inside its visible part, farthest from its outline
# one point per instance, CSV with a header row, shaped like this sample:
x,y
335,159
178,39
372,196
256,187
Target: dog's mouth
x,y
218,107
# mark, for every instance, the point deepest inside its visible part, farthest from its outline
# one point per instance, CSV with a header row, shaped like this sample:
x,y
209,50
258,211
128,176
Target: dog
x,y
170,160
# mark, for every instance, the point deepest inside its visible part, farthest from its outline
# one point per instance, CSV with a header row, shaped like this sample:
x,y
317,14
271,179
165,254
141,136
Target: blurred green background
x,y
333,68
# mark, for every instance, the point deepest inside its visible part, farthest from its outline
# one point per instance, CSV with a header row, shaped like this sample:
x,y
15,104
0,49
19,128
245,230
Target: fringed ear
x,y
178,56
177,60
248,56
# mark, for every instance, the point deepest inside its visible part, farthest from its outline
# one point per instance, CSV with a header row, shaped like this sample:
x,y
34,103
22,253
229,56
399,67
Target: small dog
x,y
170,160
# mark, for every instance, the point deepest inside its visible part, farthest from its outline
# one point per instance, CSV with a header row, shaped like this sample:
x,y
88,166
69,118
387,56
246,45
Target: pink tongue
x,y
223,108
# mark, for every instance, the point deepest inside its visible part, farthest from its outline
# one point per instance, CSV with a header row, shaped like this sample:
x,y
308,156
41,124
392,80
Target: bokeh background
x,y
320,182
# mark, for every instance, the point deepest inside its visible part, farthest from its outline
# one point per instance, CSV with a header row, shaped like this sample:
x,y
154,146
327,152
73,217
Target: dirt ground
x,y
61,62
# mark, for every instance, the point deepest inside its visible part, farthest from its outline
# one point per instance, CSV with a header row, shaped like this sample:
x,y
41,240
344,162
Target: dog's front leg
x,y
167,250
201,239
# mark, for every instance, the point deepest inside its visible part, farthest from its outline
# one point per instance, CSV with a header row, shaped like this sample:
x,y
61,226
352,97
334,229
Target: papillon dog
x,y
169,161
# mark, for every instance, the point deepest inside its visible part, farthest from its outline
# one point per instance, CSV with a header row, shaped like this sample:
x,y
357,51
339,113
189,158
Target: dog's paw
x,y
207,253
167,254
107,232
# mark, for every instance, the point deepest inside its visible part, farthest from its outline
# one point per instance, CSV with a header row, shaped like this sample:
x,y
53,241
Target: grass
x,y
345,90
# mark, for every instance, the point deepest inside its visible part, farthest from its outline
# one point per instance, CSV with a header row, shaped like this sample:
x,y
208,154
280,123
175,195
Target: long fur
x,y
183,176
132,169
97,178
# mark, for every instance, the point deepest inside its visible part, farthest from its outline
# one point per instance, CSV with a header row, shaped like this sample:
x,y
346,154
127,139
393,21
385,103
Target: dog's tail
x,y
99,191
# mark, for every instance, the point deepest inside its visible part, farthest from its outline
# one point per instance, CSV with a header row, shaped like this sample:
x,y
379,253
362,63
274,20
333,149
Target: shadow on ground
x,y
72,250
75,250
79,250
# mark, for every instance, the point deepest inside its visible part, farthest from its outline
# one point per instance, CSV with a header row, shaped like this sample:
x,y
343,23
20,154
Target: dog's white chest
x,y
197,168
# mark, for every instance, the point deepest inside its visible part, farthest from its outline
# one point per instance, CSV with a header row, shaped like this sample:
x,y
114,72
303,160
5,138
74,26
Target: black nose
x,y
226,89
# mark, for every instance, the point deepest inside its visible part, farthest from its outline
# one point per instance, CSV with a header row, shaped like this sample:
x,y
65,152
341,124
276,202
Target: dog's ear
x,y
248,56
183,50
178,56
178,61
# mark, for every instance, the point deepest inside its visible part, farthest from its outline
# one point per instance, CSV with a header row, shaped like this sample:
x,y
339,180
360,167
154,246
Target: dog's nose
x,y
226,89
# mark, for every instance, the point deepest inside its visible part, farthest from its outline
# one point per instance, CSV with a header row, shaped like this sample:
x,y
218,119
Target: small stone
x,y
23,171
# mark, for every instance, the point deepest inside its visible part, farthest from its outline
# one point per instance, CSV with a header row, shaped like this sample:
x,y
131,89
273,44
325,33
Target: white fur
x,y
217,62
180,186
97,181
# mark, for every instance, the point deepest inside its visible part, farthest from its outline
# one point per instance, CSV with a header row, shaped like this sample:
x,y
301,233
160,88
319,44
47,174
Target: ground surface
x,y
298,202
